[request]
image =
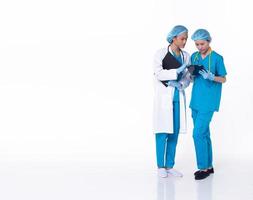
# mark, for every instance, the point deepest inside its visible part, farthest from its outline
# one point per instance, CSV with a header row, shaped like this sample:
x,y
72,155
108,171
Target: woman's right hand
x,y
181,68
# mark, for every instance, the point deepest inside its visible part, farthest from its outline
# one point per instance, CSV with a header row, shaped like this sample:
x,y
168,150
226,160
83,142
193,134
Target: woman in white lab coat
x,y
169,100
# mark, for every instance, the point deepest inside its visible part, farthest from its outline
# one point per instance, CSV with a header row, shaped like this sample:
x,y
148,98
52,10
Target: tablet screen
x,y
194,69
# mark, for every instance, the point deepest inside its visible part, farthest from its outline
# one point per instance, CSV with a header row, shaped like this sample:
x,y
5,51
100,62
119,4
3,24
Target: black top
x,y
169,62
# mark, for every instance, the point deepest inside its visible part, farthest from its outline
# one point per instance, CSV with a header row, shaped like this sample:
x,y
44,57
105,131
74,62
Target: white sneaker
x,y
162,172
174,172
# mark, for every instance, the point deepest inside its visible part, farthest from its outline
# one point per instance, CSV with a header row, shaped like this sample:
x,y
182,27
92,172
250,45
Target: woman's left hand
x,y
207,75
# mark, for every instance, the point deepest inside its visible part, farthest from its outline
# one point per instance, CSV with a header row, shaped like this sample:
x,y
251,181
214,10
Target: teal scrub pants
x,y
202,140
166,143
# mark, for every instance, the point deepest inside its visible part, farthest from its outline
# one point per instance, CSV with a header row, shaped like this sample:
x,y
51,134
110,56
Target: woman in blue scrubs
x,y
205,100
169,102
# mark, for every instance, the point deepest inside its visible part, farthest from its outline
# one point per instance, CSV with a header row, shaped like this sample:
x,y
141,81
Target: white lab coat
x,y
163,98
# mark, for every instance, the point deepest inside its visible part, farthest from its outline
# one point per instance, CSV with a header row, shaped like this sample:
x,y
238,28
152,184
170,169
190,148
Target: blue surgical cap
x,y
177,30
201,34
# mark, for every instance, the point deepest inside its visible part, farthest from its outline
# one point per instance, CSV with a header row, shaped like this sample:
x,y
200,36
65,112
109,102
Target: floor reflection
x,y
165,189
204,189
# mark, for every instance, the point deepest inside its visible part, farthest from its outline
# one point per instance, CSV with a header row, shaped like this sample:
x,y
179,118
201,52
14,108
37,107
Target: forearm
x,y
220,79
164,75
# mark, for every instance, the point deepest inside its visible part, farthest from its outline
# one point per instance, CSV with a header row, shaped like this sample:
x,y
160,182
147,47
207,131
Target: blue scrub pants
x,y
166,143
202,140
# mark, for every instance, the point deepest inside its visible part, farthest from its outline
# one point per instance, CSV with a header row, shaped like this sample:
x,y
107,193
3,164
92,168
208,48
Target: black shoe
x,y
201,175
195,173
211,171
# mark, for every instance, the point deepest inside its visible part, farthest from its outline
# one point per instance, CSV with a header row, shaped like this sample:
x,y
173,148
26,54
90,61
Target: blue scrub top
x,y
206,94
176,92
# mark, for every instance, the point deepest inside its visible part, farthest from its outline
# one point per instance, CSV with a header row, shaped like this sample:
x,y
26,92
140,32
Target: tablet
x,y
194,69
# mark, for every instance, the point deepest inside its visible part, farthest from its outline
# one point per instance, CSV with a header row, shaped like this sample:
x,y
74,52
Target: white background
x,y
76,80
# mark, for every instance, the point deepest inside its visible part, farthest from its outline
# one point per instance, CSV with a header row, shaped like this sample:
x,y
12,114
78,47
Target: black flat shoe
x,y
201,175
195,173
211,171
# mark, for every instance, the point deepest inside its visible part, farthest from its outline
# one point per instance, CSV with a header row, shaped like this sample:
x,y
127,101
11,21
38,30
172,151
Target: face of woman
x,y
181,40
202,46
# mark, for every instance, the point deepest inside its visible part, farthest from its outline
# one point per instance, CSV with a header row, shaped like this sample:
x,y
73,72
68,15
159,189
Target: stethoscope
x,y
209,59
